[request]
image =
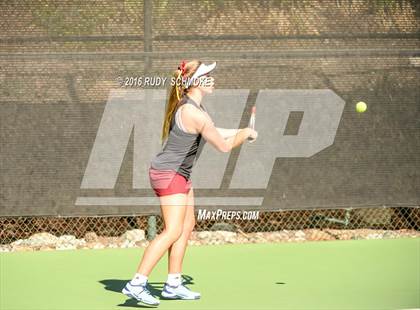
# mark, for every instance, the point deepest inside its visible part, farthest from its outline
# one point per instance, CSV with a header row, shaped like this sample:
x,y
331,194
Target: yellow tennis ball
x,y
361,107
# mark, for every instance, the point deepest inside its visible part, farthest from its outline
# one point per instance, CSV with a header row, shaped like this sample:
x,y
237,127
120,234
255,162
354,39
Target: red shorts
x,y
168,182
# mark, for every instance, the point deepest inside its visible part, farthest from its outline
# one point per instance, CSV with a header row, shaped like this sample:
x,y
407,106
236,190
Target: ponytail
x,y
176,93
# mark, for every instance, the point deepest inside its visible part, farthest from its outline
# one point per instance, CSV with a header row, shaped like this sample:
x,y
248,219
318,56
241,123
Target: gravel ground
x,y
136,238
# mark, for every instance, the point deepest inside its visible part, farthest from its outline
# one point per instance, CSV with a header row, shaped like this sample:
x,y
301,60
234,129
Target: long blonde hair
x,y
176,92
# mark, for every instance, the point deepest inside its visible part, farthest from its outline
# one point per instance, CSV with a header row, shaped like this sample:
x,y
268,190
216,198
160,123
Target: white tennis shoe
x,y
179,292
140,292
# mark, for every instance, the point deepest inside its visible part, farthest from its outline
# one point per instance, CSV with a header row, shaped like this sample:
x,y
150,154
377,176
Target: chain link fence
x,y
360,49
386,218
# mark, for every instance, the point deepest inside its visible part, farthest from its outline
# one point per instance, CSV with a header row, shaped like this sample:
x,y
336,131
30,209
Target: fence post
x,y
148,47
148,34
151,227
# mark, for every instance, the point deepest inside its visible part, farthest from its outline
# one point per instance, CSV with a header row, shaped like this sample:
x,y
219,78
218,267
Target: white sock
x,y
139,279
174,279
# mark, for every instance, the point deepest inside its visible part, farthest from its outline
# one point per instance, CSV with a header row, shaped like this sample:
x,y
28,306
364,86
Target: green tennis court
x,y
354,274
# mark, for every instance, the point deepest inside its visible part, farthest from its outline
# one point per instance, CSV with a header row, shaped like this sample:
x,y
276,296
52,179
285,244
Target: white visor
x,y
202,70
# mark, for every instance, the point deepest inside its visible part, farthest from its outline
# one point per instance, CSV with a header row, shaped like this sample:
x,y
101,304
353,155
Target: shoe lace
x,y
145,290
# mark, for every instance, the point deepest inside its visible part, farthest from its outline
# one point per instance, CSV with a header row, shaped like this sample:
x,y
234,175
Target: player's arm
x,y
227,133
203,125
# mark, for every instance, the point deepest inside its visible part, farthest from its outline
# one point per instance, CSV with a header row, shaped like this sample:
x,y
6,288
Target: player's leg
x,y
176,251
173,212
173,287
173,209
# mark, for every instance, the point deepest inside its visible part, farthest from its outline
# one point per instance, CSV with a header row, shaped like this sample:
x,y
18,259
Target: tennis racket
x,y
251,123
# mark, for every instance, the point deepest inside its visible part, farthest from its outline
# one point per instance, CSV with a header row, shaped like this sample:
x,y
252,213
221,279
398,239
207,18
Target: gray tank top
x,y
182,148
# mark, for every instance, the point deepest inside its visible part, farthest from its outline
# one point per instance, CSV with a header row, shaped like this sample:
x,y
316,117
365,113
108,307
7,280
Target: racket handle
x,y
251,123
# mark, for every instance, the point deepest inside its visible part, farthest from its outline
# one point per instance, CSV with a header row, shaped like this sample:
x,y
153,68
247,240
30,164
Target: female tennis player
x,y
186,122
